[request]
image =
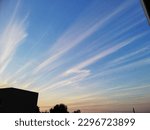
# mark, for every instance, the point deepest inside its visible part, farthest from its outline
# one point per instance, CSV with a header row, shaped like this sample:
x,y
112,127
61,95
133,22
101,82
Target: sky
x,y
92,55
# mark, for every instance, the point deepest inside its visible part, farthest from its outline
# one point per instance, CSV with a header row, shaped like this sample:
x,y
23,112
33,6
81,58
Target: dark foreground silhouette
x,y
59,108
13,100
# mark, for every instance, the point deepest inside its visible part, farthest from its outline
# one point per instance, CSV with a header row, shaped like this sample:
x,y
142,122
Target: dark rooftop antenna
x,y
133,110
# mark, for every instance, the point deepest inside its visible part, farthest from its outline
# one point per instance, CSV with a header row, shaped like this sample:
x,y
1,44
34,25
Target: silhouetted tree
x,y
59,108
77,111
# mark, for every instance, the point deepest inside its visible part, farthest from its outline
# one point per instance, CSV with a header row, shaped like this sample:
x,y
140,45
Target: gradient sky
x,y
92,55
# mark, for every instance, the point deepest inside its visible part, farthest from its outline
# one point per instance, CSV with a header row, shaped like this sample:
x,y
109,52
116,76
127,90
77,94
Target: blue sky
x,y
92,55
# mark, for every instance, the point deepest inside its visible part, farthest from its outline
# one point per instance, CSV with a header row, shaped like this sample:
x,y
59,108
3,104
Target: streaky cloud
x,y
103,54
72,37
13,35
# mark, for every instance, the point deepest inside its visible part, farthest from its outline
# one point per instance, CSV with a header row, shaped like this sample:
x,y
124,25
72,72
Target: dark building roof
x,y
17,100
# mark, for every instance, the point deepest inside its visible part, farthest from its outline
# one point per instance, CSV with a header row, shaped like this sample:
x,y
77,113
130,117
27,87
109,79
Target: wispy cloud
x,y
102,55
13,35
79,72
122,68
75,35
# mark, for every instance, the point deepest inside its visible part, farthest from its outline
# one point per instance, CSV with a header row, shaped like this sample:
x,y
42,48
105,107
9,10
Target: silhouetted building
x,y
14,100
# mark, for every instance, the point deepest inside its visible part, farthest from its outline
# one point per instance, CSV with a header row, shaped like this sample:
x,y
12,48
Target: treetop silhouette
x,y
59,108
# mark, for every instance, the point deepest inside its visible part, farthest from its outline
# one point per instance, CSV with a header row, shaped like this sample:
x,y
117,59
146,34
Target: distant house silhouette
x,y
13,100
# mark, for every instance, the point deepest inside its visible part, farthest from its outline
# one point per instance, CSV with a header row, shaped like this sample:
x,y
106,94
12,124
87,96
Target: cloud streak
x,y
102,54
13,35
72,37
